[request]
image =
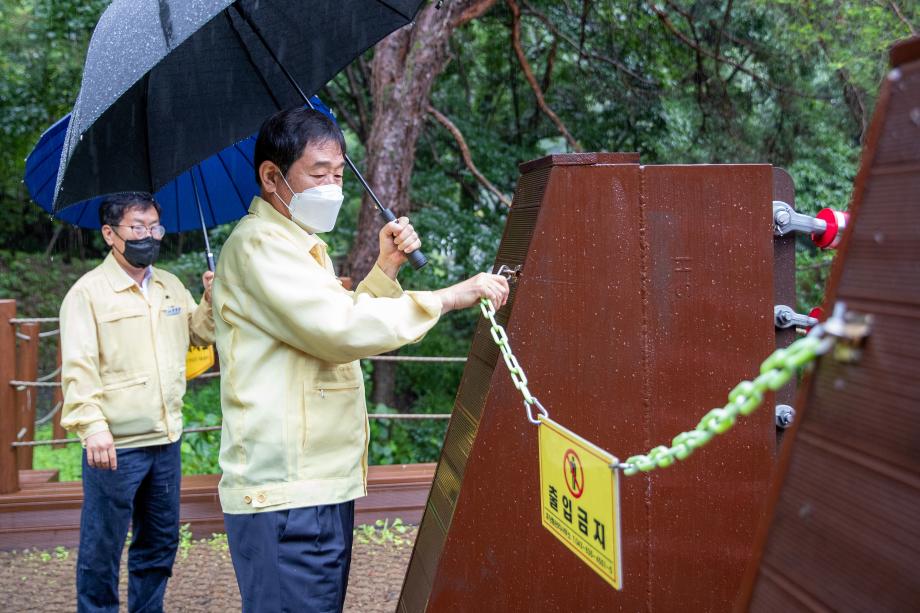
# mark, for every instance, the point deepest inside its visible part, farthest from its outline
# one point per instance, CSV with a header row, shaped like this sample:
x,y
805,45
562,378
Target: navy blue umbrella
x,y
217,190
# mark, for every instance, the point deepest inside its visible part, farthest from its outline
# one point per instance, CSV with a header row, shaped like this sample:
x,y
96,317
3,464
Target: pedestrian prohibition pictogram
x,y
580,499
574,473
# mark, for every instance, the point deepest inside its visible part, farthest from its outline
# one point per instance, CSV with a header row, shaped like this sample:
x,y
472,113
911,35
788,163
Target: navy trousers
x,y
143,492
294,560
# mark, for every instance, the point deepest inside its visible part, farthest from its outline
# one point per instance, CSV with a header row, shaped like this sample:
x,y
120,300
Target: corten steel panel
x,y
710,325
590,320
841,532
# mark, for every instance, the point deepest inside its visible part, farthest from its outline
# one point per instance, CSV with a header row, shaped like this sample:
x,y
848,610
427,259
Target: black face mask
x,y
143,252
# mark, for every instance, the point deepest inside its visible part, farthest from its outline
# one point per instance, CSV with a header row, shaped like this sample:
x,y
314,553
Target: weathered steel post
x,y
9,468
58,398
26,398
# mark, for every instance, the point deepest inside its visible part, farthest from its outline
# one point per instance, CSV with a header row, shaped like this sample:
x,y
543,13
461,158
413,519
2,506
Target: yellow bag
x,y
198,360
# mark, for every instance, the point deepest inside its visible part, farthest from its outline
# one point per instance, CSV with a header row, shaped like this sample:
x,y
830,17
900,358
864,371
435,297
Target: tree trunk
x,y
404,68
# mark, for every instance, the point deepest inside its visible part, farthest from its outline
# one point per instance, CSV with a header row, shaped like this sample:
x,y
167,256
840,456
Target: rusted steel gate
x,y
646,293
842,531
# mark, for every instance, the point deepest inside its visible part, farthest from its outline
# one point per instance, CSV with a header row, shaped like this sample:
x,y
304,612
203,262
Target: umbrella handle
x,y
416,258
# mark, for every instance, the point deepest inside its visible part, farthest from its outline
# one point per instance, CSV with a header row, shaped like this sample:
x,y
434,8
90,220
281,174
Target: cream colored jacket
x,y
123,355
289,336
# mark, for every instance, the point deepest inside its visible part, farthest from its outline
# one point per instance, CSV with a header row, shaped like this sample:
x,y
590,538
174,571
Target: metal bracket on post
x,y
786,317
786,220
851,330
511,274
826,228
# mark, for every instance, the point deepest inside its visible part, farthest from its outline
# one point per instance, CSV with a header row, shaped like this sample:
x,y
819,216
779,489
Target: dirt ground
x,y
203,577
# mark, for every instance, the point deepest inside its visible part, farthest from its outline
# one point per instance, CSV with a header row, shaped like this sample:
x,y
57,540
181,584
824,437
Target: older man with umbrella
x,y
295,436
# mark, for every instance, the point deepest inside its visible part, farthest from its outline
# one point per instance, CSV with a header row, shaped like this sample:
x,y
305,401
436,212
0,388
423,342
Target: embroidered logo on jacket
x,y
173,310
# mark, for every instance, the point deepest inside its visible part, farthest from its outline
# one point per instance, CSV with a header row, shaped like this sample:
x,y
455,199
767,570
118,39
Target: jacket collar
x,y
311,243
119,279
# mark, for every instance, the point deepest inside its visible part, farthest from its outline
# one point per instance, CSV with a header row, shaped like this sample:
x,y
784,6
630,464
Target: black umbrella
x,y
169,83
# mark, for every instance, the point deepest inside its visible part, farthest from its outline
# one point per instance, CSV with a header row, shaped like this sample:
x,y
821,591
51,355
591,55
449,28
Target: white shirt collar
x,y
145,282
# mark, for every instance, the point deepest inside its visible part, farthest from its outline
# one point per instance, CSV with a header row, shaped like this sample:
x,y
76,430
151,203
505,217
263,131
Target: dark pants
x,y
144,492
294,560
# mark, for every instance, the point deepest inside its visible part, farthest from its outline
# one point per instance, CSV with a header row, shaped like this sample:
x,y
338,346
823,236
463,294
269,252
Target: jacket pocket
x,y
131,407
333,428
125,338
124,314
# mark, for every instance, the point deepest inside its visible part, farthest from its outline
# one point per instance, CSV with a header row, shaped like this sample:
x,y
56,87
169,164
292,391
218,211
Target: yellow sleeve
x,y
82,385
292,298
200,321
378,285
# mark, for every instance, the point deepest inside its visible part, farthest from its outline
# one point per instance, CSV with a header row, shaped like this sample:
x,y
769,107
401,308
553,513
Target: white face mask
x,y
315,209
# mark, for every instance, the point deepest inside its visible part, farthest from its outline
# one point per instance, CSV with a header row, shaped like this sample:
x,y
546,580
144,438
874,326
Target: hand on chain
x,y
468,293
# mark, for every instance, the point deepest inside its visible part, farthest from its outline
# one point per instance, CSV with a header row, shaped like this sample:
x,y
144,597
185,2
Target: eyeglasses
x,y
140,231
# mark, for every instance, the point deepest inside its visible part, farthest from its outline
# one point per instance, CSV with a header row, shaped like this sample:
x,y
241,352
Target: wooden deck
x,y
46,513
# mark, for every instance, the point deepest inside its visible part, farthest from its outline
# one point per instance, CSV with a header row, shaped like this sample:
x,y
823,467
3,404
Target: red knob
x,y
836,223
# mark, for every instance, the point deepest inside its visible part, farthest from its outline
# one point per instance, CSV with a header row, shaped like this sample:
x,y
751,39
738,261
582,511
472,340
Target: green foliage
x,y
201,407
185,540
42,46
396,441
382,532
68,460
218,542
38,283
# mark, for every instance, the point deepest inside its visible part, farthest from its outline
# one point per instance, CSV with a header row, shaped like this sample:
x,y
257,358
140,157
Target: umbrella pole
x,y
204,228
416,258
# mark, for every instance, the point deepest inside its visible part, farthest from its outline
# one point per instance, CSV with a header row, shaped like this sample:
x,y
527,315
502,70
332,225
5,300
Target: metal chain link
x,y
514,369
747,396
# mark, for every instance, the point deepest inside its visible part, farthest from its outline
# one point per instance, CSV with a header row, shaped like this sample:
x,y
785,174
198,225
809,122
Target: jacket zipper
x,y
156,359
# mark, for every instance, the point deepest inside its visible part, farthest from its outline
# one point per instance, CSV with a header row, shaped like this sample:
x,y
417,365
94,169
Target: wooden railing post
x,y
9,469
58,399
26,398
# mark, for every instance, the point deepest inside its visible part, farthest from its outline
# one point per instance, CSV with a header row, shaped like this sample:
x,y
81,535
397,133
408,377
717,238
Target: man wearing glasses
x,y
125,330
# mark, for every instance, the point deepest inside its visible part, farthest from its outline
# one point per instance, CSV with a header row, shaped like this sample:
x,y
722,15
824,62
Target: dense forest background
x,y
467,93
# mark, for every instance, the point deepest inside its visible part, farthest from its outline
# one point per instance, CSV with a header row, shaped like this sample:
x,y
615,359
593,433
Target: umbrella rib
x,y
45,184
395,10
239,196
245,157
82,213
51,151
252,166
249,57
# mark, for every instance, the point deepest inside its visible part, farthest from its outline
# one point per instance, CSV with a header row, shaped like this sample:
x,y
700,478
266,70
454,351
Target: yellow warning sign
x,y
198,360
580,499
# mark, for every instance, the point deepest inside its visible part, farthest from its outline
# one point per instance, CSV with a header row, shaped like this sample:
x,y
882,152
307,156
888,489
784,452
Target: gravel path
x,y
203,576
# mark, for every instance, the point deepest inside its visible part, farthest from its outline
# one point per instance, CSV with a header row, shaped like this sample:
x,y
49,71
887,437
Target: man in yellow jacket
x,y
295,431
125,330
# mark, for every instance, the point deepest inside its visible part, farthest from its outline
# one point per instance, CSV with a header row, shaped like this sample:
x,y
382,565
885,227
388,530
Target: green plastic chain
x,y
775,372
514,369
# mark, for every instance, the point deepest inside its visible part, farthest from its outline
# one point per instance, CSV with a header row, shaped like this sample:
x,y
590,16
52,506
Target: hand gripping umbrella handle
x,y
416,258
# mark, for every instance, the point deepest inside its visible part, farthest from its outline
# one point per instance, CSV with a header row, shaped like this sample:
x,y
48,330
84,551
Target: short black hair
x,y
113,207
284,136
